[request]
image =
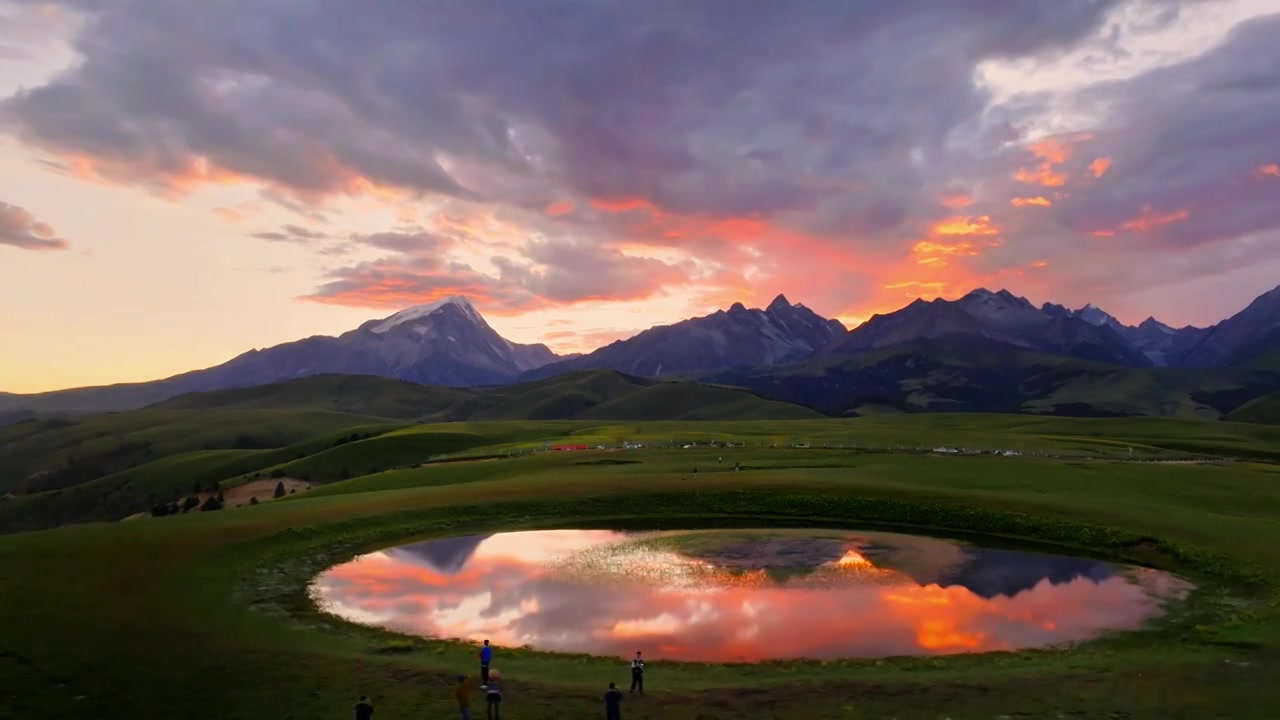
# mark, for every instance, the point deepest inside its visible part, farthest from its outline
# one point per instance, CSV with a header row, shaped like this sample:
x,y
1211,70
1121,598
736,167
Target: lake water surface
x,y
741,595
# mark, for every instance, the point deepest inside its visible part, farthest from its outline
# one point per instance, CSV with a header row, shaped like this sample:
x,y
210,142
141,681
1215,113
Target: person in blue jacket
x,y
486,657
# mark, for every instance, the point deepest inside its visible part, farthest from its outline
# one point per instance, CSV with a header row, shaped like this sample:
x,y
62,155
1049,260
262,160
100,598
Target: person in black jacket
x,y
364,708
637,674
613,703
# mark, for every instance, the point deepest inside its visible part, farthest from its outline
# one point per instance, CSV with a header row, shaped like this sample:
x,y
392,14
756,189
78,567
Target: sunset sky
x,y
183,180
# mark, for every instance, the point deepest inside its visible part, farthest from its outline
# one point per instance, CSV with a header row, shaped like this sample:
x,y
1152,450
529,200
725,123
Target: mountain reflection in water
x,y
740,595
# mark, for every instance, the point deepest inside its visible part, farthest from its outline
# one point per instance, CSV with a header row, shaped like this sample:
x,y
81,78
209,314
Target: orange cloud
x,y
1038,201
1042,174
961,225
621,204
1100,166
1272,170
1149,220
928,252
1051,151
957,201
561,207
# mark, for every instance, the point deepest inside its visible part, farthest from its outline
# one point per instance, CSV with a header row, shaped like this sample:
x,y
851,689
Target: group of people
x,y
491,684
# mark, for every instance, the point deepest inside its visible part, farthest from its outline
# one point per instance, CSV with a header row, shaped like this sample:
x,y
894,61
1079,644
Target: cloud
x,y
20,229
531,275
850,154
292,234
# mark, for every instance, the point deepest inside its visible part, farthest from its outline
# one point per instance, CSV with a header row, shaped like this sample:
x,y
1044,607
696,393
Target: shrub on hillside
x,y
191,502
253,501
279,493
212,503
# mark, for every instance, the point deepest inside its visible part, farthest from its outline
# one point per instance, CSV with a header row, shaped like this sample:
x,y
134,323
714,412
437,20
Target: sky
x,y
183,181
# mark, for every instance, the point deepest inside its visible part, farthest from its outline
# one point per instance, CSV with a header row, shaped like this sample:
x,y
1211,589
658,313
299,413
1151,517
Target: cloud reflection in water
x,y
742,596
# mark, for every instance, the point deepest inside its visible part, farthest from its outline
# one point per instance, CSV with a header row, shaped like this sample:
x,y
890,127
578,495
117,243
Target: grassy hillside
x,y
216,622
357,394
973,375
1265,409
105,467
63,452
391,455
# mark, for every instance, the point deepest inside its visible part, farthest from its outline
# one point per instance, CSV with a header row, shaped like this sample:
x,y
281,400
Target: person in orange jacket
x,y
462,694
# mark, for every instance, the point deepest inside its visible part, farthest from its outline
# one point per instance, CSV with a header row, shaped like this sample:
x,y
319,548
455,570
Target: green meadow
x,y
206,614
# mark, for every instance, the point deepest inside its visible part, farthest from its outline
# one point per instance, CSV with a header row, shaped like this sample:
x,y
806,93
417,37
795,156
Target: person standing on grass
x,y
364,708
493,699
613,703
637,674
462,694
486,657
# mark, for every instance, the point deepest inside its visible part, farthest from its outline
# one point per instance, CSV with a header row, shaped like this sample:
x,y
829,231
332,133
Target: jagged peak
x,y
779,303
737,307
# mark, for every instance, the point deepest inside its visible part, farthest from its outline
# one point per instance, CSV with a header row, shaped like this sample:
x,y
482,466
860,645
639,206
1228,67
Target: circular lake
x,y
741,595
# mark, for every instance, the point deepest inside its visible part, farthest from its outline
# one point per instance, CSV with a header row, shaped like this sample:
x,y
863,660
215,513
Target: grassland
x,y
108,467
1265,409
205,615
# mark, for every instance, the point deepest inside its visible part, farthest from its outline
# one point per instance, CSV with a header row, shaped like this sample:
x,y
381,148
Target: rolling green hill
x,y
966,374
45,455
596,394
317,429
357,394
1265,409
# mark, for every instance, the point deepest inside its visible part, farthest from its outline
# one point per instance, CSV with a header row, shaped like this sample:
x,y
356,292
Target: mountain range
x,y
737,337
984,351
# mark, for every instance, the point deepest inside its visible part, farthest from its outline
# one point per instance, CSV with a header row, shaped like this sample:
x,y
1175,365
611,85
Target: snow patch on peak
x,y
418,312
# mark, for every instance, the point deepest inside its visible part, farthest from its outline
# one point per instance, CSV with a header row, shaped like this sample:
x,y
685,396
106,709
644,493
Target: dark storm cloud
x,y
20,229
715,106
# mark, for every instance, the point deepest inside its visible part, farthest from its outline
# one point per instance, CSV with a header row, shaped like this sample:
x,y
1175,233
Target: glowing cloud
x,y
1149,220
1038,201
1052,152
1100,167
559,208
1041,175
957,201
960,225
1269,170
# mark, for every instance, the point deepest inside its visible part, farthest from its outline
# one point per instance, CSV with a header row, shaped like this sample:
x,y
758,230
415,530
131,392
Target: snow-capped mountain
x,y
737,337
1000,316
442,343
